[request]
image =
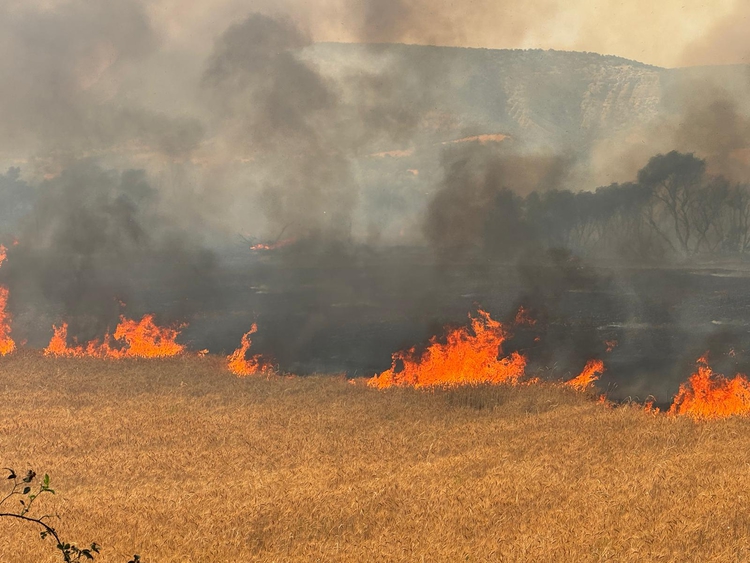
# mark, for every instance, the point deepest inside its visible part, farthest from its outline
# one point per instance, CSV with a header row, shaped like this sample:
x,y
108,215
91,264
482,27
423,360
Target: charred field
x,y
181,461
348,312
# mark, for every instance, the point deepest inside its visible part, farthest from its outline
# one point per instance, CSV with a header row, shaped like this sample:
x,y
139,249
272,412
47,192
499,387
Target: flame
x,y
591,373
131,339
7,344
524,318
469,356
650,408
144,339
240,365
610,344
708,395
275,245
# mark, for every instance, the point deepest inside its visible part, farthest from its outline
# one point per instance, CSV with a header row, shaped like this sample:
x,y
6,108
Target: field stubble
x,y
180,461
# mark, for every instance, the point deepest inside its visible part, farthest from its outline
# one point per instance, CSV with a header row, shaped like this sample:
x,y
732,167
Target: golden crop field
x,y
179,461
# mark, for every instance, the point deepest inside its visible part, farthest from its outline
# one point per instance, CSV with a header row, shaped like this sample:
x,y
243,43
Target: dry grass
x,y
180,461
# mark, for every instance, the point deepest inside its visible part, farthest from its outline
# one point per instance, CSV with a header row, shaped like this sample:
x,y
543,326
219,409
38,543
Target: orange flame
x,y
134,339
707,395
524,318
58,344
590,374
610,344
240,365
469,356
650,408
7,344
275,245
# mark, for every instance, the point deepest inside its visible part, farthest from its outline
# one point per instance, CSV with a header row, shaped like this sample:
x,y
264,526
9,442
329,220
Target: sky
x,y
666,33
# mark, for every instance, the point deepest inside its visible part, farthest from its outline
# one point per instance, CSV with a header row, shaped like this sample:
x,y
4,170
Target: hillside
x,y
555,97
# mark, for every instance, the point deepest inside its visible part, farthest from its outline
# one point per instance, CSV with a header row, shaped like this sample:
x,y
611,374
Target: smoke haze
x,y
147,147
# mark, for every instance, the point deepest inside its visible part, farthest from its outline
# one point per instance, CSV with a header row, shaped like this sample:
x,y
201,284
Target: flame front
x,y
144,339
469,356
590,374
242,366
707,395
7,344
131,339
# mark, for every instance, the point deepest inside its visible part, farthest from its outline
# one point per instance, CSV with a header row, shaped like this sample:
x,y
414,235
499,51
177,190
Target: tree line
x,y
675,208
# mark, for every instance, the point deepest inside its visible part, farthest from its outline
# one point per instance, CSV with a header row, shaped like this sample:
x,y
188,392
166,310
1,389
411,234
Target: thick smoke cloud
x,y
304,129
726,42
281,112
115,181
476,205
96,241
60,77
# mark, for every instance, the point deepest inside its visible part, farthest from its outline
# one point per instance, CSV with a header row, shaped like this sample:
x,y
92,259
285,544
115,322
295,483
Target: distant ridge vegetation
x,y
558,98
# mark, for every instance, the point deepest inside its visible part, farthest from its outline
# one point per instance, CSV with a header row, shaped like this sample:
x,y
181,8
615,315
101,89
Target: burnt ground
x,y
349,315
348,312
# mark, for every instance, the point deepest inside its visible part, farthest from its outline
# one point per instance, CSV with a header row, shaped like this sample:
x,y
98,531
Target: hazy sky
x,y
664,32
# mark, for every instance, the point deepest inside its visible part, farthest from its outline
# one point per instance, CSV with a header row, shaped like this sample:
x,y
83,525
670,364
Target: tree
x,y
674,180
29,489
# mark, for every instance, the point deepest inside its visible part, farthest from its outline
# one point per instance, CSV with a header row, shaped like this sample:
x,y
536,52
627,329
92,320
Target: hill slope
x,y
555,97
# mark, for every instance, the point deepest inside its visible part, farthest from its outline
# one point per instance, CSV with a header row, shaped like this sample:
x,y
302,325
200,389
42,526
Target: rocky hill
x,y
555,97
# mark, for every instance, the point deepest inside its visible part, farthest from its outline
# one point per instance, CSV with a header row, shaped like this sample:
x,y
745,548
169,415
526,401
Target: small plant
x,y
29,488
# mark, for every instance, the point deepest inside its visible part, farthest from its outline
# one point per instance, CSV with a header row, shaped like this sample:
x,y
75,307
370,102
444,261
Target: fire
x,y
7,344
524,318
469,356
610,344
708,395
275,245
131,339
240,365
591,373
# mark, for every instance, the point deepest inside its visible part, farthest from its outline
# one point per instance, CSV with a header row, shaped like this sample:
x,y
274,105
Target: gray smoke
x,y
94,240
60,77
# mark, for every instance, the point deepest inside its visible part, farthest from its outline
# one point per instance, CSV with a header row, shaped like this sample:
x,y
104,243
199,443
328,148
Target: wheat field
x,y
179,461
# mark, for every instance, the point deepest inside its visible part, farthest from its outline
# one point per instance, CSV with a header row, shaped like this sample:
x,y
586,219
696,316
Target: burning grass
x,y
708,395
241,365
131,339
178,460
469,355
